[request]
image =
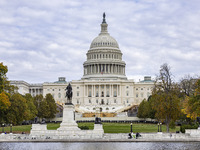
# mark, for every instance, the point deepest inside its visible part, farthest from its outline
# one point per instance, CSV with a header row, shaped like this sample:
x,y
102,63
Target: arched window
x,y
102,94
127,93
59,95
102,102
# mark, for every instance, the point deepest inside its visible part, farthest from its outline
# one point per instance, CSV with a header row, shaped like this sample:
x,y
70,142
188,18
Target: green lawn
x,y
108,127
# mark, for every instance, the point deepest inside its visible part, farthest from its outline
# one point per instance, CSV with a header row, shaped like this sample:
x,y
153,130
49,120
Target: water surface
x,y
101,146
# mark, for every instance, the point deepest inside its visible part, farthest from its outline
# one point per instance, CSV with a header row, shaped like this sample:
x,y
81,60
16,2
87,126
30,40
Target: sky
x,y
41,40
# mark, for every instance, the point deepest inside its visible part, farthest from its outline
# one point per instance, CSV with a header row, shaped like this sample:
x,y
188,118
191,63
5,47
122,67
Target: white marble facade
x,y
104,82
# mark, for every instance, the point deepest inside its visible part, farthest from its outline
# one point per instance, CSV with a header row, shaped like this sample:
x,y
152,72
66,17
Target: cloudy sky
x,y
41,40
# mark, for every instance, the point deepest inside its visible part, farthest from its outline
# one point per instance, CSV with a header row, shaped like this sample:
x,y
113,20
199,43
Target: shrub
x,y
84,127
183,127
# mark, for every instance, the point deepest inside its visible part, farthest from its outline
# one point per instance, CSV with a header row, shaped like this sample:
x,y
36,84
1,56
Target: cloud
x,y
42,40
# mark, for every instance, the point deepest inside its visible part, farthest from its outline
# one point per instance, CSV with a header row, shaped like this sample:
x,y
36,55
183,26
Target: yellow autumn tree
x,y
165,100
4,105
191,104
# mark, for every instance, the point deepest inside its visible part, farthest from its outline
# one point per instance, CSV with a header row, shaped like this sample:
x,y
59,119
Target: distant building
x,y
104,83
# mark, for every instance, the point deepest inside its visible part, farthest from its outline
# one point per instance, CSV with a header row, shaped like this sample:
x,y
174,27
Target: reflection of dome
x,y
104,40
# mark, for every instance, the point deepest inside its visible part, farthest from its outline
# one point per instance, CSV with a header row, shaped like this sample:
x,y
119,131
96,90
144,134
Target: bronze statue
x,y
104,18
69,94
104,15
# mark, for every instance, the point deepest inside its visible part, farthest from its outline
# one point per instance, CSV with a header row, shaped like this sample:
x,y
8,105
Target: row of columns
x,y
104,68
108,89
104,56
35,91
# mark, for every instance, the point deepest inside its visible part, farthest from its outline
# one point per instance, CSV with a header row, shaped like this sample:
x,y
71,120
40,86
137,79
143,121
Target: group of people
x,y
131,135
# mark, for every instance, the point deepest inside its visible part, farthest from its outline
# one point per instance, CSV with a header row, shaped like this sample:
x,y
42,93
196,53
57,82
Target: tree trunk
x,y
167,124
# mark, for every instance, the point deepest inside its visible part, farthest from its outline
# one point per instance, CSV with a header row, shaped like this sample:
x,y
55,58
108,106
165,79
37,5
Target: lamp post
x,y
160,127
11,128
131,128
3,128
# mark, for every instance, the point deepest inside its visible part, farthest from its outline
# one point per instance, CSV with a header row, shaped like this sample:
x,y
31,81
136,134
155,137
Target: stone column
x,y
92,92
104,91
99,91
111,90
117,90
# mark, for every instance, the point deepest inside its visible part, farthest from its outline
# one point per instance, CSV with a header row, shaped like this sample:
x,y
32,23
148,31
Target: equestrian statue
x,y
69,94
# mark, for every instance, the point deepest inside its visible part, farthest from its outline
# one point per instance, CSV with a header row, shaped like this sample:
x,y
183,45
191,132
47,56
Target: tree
x,y
51,105
37,100
32,111
46,107
191,104
18,111
187,85
43,110
3,71
4,105
4,83
166,102
145,109
142,110
5,90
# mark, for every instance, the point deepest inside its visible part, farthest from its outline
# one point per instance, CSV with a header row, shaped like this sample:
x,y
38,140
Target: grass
x,y
108,127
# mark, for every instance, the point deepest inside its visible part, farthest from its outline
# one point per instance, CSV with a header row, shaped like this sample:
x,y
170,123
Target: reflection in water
x,y
101,146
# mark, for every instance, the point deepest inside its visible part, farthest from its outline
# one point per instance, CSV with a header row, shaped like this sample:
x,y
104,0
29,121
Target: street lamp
x,y
11,128
131,128
3,128
160,127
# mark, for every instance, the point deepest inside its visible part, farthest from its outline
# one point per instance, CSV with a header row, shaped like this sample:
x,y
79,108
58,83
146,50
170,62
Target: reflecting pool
x,y
100,146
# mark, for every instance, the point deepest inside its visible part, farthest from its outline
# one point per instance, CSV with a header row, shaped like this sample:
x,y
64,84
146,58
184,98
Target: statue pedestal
x,y
38,129
68,122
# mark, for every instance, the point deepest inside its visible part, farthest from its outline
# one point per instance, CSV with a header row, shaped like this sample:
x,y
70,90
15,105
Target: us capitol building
x,y
104,83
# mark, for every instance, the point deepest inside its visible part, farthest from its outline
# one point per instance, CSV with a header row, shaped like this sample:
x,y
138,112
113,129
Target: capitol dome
x,y
104,58
104,40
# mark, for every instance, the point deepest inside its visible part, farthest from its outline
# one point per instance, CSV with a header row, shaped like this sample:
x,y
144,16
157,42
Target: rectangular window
x,y
77,93
107,94
90,94
97,94
115,93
